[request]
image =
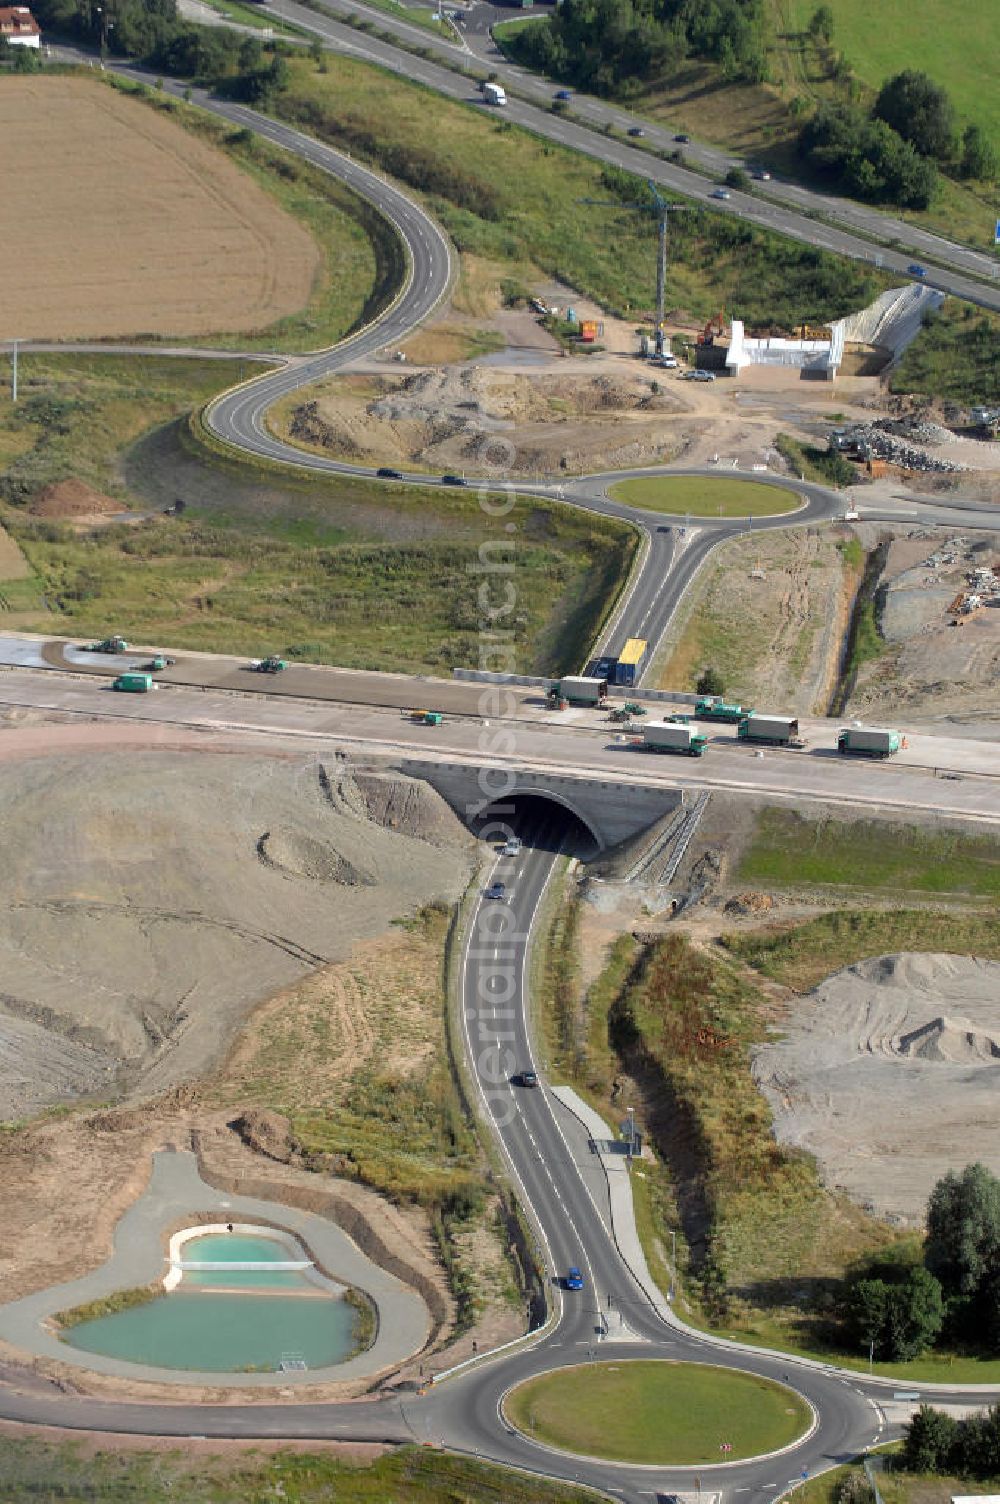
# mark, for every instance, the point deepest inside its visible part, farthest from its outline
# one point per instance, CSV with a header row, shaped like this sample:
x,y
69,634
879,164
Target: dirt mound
x,y
72,498
303,856
165,893
953,1040
402,804
744,904
265,1133
889,1073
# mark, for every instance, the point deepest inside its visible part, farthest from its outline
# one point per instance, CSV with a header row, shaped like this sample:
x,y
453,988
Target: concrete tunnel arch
x,y
532,794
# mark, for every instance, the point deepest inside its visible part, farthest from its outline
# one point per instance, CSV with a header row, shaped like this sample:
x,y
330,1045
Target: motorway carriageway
x,y
545,746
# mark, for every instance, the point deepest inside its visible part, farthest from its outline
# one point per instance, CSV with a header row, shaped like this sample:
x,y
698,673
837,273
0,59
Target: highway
x,y
788,208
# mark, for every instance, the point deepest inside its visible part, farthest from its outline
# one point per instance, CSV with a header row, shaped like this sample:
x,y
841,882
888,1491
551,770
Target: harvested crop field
x,y
168,236
167,892
888,1073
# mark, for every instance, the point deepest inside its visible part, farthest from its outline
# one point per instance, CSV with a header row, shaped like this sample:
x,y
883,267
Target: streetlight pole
x,y
673,1263
13,371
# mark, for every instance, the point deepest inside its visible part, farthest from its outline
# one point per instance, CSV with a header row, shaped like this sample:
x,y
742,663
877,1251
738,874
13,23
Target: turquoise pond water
x,y
200,1327
223,1333
244,1248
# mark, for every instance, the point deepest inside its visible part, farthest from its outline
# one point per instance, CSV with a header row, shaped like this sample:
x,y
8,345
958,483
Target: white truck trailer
x,y
494,94
667,736
771,730
582,691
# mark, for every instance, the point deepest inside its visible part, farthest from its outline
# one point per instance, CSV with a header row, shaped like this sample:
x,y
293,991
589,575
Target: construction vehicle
x,y
134,684
424,717
158,664
630,661
579,690
620,714
271,665
713,708
869,741
771,730
107,645
713,330
666,736
631,708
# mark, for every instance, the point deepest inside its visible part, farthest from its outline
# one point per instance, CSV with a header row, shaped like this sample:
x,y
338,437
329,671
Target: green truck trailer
x,y
869,741
711,708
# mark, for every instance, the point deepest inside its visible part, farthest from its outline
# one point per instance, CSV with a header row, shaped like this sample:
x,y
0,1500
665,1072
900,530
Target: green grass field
x,y
74,1473
960,54
324,570
800,955
789,849
705,497
954,355
658,1413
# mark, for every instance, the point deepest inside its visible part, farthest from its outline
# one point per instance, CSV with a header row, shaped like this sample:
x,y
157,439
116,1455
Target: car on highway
x,y
385,473
574,1279
496,890
526,1078
636,130
720,193
683,138
453,480
761,175
512,847
563,94
916,270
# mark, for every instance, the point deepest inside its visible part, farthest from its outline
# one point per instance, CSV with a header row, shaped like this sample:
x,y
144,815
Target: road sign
x,y
996,234
725,1446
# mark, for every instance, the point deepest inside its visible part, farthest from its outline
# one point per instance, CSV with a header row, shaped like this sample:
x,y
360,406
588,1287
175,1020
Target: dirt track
x,y
163,893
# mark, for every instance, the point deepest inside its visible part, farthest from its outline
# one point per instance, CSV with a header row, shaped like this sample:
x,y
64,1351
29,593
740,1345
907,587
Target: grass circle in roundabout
x,y
705,496
658,1413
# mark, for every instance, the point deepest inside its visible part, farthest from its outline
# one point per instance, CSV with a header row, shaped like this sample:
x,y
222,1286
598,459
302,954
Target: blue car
x,y
916,270
574,1279
563,94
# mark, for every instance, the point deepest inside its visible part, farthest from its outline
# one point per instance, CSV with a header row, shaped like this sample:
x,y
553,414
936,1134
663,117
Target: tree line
x,y
894,1311
153,32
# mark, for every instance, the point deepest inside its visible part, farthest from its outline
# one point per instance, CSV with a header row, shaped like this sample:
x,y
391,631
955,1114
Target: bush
x,y
920,111
710,682
866,157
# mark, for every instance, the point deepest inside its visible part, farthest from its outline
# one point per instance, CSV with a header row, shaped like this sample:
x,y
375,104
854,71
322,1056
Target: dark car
x,y
563,94
916,270
682,137
453,480
636,130
527,1078
384,473
496,890
761,175
574,1279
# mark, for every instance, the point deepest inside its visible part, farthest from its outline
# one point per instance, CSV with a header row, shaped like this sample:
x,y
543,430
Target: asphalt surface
x,y
787,209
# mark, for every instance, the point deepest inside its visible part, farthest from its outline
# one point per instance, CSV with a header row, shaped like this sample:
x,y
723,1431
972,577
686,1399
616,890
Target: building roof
x,y
17,20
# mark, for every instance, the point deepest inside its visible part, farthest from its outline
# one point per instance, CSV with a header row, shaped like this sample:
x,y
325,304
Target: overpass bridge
x,y
612,810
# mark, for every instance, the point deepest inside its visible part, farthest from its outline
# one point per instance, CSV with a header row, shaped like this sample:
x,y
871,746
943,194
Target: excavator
x,y
714,329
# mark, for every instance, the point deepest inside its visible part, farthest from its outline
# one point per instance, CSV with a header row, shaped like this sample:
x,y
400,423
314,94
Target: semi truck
x,y
582,691
774,730
667,736
630,661
494,94
712,708
869,741
134,684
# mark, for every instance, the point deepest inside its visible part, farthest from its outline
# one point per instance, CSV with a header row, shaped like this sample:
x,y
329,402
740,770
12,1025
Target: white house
x,y
19,27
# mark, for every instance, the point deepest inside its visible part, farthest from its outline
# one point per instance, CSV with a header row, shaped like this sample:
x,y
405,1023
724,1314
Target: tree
x,y
914,1316
737,178
920,111
821,25
979,156
928,1441
710,682
963,1231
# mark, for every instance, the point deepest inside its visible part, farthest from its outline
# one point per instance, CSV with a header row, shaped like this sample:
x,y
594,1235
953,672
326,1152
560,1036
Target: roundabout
x,y
657,1413
705,496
